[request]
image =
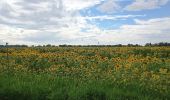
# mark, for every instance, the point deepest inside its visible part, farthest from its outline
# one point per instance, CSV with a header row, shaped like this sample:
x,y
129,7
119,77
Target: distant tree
x,y
1,45
148,44
48,45
53,46
158,44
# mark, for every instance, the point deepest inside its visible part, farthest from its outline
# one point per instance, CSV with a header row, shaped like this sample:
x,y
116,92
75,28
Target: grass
x,y
45,87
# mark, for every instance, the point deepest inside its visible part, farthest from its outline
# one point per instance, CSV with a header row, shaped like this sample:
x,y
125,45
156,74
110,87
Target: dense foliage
x,y
89,73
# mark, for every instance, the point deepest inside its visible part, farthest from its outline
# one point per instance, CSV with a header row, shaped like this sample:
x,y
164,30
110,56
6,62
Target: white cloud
x,y
80,4
152,30
157,25
109,6
32,21
60,21
56,17
138,5
104,17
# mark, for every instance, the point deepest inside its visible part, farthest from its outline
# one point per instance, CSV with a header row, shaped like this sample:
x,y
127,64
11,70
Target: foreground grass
x,y
46,87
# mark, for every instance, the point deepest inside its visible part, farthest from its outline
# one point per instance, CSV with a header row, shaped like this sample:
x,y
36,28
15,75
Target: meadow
x,y
85,73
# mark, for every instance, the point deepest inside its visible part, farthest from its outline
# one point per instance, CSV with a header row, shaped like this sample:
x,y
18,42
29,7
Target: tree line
x,y
158,44
117,45
14,46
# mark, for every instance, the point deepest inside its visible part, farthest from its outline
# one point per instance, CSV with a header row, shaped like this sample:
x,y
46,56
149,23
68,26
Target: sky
x,y
85,22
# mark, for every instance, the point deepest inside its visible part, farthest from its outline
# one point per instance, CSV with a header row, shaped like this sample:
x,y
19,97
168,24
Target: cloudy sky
x,y
84,21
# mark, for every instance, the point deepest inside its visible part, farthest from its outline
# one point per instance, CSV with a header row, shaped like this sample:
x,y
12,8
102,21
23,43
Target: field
x,y
85,73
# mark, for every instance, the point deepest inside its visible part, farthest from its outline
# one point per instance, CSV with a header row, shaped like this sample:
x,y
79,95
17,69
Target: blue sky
x,y
84,21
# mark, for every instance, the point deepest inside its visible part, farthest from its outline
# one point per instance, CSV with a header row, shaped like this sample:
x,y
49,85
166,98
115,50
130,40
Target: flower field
x,y
85,73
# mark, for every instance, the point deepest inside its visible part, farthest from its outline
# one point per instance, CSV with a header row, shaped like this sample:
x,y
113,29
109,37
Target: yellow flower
x,y
163,71
117,67
155,77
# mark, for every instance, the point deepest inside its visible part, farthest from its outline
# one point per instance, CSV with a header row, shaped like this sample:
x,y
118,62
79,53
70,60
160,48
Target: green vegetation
x,y
91,73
